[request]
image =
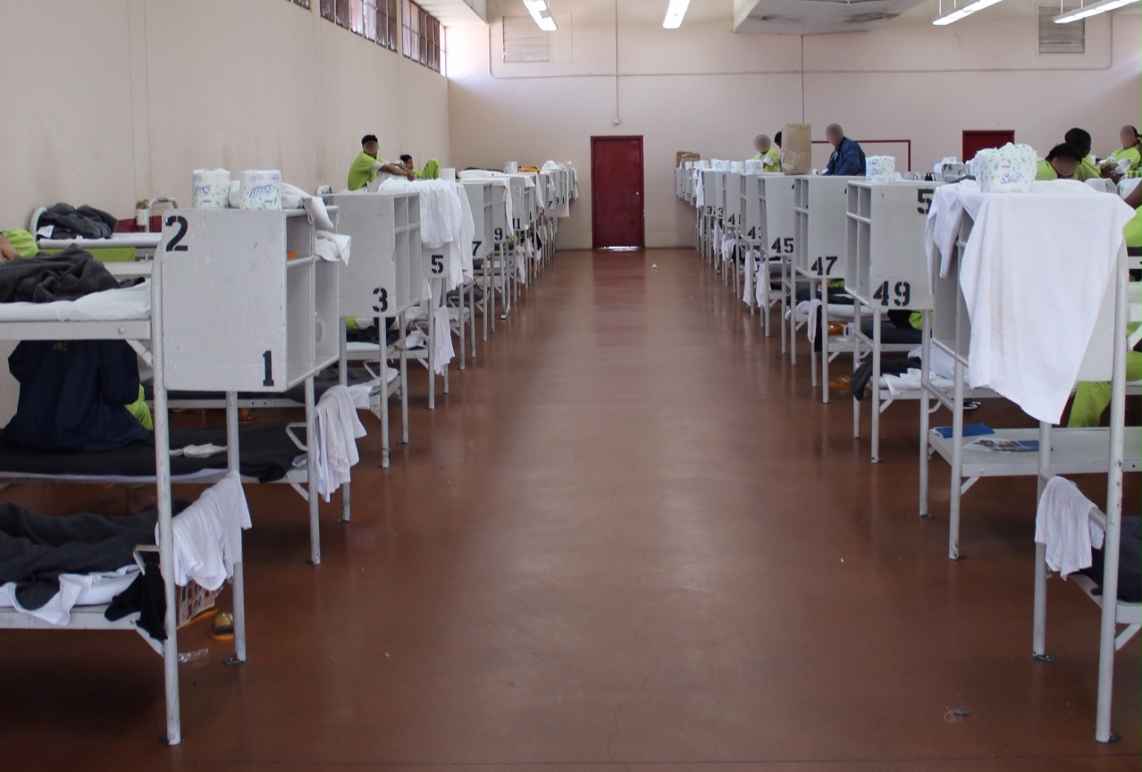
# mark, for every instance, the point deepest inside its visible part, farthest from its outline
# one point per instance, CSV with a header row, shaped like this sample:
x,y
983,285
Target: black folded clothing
x,y
892,363
1129,562
71,274
36,549
266,454
87,222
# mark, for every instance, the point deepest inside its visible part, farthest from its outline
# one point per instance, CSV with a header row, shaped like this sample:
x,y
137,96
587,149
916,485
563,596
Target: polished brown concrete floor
x,y
629,540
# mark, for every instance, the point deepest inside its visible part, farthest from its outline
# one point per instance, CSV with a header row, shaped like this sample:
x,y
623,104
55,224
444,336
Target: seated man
x,y
1061,163
769,155
848,157
1080,140
1092,397
366,167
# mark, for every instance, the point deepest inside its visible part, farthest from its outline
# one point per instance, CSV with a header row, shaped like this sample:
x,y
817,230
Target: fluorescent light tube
x,y
1091,10
537,8
959,13
675,12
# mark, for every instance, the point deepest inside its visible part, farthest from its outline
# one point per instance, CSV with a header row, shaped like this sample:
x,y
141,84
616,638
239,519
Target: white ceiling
x,y
452,12
816,16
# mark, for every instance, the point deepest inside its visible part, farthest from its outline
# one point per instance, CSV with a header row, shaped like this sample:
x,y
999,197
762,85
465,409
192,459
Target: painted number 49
x,y
900,296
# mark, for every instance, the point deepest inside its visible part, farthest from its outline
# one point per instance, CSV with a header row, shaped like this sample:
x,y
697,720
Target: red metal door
x,y
975,141
616,192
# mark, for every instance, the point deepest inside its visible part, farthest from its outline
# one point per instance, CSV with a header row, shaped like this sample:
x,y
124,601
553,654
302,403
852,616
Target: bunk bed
x,y
135,315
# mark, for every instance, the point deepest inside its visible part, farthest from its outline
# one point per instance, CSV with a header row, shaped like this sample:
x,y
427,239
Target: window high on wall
x,y
375,20
423,37
302,3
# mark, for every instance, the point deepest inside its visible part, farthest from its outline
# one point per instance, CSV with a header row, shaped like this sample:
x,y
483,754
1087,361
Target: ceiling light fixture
x,y
1083,11
954,15
675,12
537,8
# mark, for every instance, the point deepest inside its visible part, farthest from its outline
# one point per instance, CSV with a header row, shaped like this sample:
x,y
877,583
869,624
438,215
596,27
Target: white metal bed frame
x,y
148,332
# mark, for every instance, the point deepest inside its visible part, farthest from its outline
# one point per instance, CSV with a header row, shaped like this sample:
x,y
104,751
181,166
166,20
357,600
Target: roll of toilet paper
x,y
235,197
260,189
210,189
511,167
880,166
1010,169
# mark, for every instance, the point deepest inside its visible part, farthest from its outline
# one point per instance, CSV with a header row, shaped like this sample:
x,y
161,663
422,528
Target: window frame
x,y
374,20
422,36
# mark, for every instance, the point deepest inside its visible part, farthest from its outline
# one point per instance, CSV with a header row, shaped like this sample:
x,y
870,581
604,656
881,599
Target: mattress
x,y
267,455
116,305
361,386
94,589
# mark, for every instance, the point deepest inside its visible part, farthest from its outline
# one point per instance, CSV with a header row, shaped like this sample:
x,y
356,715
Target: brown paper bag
x,y
685,155
796,148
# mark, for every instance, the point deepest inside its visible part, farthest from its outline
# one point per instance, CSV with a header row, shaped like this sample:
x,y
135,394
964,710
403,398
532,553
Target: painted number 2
x,y
901,294
175,244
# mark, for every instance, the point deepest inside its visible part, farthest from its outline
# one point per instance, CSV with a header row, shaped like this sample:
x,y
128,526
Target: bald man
x,y
769,155
848,157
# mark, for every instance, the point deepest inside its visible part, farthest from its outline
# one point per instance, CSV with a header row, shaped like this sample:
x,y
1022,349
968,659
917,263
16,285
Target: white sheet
x,y
1034,275
95,589
124,304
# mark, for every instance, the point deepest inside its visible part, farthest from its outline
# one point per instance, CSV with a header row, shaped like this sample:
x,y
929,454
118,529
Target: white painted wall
x,y
110,101
706,89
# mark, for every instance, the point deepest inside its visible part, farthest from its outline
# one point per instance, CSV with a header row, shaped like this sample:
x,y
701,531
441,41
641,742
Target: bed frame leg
x,y
238,587
311,476
166,532
925,353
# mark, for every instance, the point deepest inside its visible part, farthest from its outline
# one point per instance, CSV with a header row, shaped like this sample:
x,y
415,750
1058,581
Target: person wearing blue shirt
x,y
848,157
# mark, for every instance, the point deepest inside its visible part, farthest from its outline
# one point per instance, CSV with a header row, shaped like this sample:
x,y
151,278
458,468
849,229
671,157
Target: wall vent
x,y
1060,38
524,42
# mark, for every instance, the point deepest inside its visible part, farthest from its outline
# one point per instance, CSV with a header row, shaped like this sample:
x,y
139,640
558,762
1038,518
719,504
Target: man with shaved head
x,y
769,155
848,157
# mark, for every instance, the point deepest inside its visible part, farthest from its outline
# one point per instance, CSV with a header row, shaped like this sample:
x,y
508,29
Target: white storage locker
x,y
481,199
779,234
714,190
733,199
820,206
246,304
380,277
884,243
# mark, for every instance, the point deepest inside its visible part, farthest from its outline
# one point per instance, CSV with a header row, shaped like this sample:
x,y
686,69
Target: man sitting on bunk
x,y
769,155
1080,140
1061,163
367,166
1092,397
407,164
848,157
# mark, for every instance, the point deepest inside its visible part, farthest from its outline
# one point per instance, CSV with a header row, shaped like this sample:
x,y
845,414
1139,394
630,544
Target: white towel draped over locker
x,y
1034,276
442,220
